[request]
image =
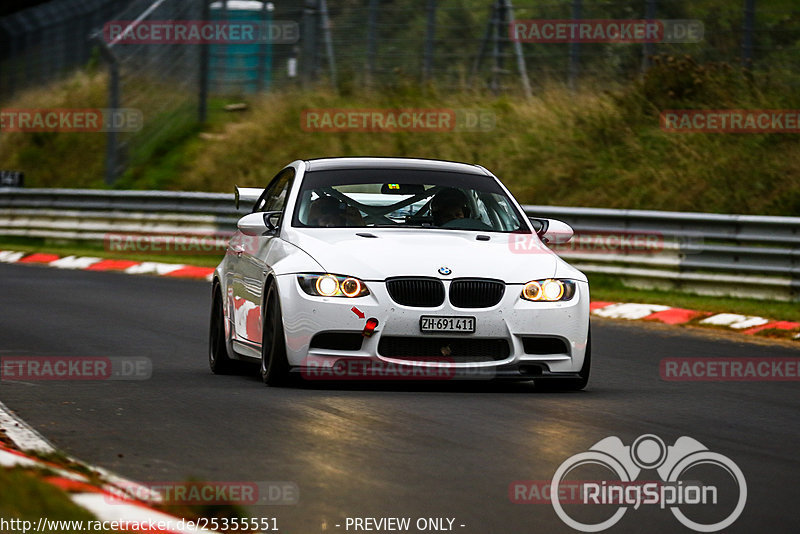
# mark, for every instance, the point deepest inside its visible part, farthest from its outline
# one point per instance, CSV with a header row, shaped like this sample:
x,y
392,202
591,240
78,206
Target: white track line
x,y
106,509
628,310
22,434
100,504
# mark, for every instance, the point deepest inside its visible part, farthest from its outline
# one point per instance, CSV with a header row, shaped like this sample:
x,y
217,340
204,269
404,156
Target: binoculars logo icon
x,y
649,452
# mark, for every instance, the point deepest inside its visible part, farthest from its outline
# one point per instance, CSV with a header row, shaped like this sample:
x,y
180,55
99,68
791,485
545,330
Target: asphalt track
x,y
379,450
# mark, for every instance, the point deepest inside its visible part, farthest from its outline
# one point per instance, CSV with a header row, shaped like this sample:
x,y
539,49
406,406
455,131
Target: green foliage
x,y
73,159
558,148
682,82
24,496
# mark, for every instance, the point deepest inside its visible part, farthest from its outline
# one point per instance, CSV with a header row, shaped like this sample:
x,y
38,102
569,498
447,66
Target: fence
x,y
737,255
164,81
426,39
47,42
380,43
431,40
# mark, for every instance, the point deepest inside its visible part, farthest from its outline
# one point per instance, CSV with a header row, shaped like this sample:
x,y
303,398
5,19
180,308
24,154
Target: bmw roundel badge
x,y
445,270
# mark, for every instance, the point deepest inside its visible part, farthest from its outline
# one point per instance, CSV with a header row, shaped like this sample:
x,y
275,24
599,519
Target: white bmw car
x,y
395,267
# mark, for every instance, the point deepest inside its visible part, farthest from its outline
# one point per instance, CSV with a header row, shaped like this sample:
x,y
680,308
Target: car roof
x,y
393,163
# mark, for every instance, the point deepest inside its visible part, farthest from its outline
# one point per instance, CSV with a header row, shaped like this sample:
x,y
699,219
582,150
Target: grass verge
x,y
585,148
25,496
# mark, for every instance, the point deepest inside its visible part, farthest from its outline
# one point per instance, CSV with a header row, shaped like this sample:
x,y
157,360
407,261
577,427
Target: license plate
x,y
436,323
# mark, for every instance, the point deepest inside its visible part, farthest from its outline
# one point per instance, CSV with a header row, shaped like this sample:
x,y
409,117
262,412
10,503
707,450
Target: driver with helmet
x,y
449,205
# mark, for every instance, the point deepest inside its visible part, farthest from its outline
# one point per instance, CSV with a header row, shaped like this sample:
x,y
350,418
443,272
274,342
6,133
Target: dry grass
x,y
558,148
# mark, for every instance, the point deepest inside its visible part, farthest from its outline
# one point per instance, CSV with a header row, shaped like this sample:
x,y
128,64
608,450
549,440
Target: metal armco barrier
x,y
78,214
736,255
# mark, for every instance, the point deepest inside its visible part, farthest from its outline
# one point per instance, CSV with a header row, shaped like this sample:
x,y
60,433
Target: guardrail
x,y
737,255
78,214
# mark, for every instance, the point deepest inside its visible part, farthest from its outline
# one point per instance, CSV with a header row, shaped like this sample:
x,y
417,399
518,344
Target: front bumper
x,y
514,320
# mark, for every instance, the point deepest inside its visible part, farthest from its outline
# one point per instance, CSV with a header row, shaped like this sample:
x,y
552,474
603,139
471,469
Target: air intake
x,y
456,349
476,292
416,292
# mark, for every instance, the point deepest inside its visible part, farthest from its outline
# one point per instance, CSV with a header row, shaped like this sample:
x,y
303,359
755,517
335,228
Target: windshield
x,y
402,198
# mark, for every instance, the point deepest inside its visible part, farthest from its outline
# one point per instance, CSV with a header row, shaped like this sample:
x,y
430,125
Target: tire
x,y
570,384
218,358
274,365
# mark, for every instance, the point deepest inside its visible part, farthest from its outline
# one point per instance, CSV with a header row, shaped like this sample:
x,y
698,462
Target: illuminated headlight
x,y
327,286
351,287
549,290
332,285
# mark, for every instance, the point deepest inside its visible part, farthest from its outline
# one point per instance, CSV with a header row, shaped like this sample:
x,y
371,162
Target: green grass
x,y
49,159
556,149
61,459
592,148
23,495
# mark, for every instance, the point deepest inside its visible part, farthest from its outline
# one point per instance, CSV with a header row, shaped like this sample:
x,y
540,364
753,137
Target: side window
x,y
274,196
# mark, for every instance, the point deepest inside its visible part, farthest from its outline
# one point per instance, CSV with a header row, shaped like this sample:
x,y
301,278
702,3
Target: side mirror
x,y
552,231
260,223
539,225
247,195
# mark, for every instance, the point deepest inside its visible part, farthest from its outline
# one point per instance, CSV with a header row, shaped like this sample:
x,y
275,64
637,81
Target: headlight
x,y
332,285
549,290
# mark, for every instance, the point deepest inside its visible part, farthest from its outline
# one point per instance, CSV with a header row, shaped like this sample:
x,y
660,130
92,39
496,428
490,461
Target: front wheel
x,y
274,365
570,384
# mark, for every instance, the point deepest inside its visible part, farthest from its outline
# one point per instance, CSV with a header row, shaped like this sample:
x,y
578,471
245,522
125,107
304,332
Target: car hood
x,y
405,252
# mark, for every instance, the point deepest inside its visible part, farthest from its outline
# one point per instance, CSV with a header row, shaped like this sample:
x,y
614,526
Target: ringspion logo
x,y
649,452
569,491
